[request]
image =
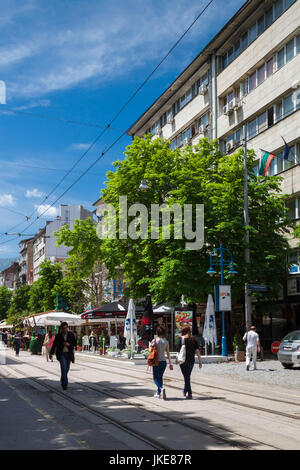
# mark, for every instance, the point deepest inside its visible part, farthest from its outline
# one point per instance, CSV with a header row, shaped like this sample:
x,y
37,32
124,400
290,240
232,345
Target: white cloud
x,y
7,200
47,210
33,193
34,104
103,42
79,147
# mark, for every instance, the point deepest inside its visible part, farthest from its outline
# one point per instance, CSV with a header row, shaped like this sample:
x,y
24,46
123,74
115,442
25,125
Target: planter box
x,y
240,356
113,353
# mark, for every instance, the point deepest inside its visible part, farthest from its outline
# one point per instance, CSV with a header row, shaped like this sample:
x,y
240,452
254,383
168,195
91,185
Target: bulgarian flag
x,y
265,162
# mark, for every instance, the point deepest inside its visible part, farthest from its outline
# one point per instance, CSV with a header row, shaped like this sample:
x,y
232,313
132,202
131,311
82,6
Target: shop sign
x,y
293,286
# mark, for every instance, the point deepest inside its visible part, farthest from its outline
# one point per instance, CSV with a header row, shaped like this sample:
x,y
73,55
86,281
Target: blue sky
x,y
81,60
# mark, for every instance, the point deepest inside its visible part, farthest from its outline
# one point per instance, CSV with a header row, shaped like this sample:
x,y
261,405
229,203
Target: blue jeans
x,y
186,369
64,367
158,372
17,347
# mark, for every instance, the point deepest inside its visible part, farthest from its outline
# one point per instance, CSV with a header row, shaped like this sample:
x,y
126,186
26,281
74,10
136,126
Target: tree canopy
x,y
195,175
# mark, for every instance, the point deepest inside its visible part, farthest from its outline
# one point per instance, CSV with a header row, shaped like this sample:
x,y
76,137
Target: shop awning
x,y
110,310
53,318
4,325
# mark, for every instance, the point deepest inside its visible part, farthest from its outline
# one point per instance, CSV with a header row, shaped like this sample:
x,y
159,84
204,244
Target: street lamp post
x,y
220,261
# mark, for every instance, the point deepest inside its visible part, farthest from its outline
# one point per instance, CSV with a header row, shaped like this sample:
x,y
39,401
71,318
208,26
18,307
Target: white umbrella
x,y
130,332
209,329
55,318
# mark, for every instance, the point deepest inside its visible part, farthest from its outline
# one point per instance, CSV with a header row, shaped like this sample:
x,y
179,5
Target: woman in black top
x,y
192,348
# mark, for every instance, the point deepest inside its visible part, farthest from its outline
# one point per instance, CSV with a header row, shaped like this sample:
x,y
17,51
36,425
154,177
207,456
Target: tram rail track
x,y
112,393
252,395
123,427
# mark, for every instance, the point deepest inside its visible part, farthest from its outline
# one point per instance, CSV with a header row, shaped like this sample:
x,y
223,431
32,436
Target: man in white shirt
x,y
252,346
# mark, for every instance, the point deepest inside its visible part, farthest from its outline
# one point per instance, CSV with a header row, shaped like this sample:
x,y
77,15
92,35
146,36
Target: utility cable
x,y
52,118
109,125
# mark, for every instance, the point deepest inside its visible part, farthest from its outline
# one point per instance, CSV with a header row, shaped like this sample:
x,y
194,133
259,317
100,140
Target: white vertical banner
x,y
209,329
130,331
225,298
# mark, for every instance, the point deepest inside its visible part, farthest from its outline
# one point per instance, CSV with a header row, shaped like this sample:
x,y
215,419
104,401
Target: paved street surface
x,y
110,405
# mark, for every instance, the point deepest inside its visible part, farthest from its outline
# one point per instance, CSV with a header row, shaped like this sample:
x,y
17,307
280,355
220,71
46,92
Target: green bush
x,y
238,342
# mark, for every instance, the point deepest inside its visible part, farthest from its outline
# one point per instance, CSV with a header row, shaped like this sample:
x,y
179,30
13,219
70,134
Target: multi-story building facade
x,y
9,277
44,245
244,83
26,261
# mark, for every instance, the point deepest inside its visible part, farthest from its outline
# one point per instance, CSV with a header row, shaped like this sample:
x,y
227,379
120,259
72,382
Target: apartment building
x,y
9,277
26,261
44,245
245,82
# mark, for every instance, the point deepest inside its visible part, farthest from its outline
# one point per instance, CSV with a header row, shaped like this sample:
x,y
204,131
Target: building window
x,y
279,164
251,128
278,8
245,41
269,17
252,81
255,30
260,25
288,105
298,44
290,50
261,74
280,58
270,65
252,33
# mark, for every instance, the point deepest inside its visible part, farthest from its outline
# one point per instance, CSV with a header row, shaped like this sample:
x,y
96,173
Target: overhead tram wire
x,y
114,118
52,118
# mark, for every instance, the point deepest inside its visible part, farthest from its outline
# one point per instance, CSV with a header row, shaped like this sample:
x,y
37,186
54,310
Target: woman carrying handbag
x,y
191,348
162,346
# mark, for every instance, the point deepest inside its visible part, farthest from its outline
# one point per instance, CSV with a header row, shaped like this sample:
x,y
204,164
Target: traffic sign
x,y
275,347
258,287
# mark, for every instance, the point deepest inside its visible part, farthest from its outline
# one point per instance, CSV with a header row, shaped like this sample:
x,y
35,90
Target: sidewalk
x,y
139,359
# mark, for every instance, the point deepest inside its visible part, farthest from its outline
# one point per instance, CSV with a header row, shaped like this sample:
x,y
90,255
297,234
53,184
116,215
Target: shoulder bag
x,y
181,356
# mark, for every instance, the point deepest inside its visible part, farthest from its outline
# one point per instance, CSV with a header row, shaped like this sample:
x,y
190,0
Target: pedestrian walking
x,y
63,345
162,346
48,343
251,339
192,348
93,341
17,342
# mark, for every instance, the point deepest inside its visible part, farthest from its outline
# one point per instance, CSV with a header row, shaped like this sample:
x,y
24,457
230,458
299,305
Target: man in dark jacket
x,y
64,344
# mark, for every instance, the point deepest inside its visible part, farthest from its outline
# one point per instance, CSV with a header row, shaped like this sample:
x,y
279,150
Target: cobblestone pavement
x,y
268,372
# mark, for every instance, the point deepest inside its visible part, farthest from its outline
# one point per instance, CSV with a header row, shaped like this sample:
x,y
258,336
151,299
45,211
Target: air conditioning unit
x,y
226,109
296,84
201,129
234,103
170,119
236,142
203,89
229,146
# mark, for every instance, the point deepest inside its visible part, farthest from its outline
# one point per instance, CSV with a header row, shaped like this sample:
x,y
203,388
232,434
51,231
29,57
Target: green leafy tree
x,y
72,293
198,175
83,267
42,296
5,300
19,304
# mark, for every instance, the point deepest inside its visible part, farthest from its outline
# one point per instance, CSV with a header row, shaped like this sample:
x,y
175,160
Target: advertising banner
x,y
182,319
223,298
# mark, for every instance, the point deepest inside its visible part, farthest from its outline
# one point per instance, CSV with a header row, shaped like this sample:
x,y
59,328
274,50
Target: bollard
x,y
103,350
237,354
